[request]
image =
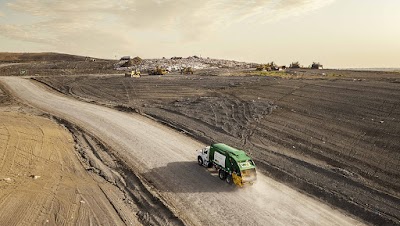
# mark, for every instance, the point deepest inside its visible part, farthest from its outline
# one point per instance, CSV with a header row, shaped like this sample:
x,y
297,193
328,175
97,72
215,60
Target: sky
x,y
336,33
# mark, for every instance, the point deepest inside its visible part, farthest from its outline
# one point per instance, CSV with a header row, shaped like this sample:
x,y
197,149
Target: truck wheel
x,y
200,161
209,165
222,174
229,179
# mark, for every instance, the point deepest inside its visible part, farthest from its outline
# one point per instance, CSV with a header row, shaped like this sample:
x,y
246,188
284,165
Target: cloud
x,y
62,22
24,33
191,18
1,14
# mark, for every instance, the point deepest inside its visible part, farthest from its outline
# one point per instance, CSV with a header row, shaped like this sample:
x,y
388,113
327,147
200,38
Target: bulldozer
x,y
187,70
133,73
157,71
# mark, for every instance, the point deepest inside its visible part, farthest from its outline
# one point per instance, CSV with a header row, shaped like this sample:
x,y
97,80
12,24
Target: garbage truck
x,y
233,165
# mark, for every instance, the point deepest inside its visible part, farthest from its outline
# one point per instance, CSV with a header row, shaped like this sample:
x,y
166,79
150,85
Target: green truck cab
x,y
233,165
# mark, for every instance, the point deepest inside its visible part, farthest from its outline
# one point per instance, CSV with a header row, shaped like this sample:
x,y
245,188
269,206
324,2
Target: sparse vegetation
x,y
260,67
271,64
268,67
295,65
281,74
316,65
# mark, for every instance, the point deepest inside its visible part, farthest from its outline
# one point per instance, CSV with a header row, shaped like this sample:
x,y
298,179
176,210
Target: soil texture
x,y
166,161
334,137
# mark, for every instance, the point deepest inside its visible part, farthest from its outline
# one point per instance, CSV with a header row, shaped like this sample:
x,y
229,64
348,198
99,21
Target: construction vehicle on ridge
x,y
134,73
158,71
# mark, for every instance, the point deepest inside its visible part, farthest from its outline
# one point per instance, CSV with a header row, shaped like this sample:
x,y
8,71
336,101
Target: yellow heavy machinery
x,y
158,71
133,73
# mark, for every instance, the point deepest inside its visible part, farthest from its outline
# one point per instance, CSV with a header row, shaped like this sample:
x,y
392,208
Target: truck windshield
x,y
246,163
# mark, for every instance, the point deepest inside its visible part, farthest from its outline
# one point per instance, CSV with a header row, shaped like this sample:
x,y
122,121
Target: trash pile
x,y
178,63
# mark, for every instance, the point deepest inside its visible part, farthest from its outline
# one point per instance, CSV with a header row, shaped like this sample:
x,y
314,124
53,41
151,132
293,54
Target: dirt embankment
x,y
49,175
48,64
4,98
337,139
50,68
8,57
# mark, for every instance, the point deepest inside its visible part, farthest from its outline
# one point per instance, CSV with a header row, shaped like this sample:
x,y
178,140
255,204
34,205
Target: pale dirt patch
x,y
43,182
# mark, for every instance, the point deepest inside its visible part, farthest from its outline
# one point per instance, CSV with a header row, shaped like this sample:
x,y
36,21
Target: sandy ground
x,y
42,180
166,159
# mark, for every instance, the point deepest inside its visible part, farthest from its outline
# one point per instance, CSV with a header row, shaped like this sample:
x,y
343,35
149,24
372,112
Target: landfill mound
x,y
49,64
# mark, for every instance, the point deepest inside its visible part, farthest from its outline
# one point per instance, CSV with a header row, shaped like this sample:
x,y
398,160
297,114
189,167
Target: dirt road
x,y
166,159
9,64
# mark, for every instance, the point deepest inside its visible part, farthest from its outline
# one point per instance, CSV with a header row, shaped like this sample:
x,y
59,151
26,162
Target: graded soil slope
x,y
167,160
334,137
42,180
35,64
